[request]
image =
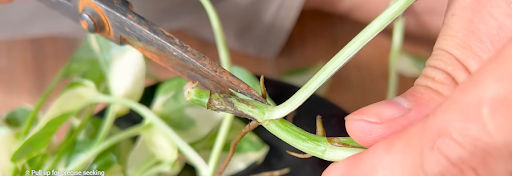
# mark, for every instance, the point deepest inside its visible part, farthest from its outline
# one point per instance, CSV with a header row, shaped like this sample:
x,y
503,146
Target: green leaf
x,y
18,117
410,65
37,162
105,49
122,66
85,64
249,150
156,141
120,150
123,150
190,121
7,148
91,129
103,162
80,148
151,147
140,158
75,97
37,142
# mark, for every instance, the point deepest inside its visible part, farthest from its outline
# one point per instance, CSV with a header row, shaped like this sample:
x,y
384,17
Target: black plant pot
x,y
277,158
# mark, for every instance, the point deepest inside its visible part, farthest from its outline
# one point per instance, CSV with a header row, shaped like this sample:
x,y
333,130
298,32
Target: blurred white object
x,y
256,27
410,65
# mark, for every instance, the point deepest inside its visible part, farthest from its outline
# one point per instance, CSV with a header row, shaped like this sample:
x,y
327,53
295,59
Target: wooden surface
x,y
27,66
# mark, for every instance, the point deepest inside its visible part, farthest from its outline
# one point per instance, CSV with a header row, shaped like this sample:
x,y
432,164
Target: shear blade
x,y
120,24
195,67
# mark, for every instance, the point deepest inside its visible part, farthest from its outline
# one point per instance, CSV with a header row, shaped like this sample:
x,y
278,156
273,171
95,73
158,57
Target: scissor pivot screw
x,y
88,23
91,21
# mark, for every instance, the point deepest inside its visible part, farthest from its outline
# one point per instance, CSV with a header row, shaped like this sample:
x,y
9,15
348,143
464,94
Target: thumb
x,y
462,47
468,134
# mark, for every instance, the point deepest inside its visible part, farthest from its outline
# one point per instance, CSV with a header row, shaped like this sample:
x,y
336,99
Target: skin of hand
x,y
455,119
5,1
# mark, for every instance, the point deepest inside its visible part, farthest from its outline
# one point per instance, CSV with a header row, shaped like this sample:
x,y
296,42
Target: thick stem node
x,y
232,104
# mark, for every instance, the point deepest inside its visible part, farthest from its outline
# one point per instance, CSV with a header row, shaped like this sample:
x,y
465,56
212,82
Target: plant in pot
x,y
172,126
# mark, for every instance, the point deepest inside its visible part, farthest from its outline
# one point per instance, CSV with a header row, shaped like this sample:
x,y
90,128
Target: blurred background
x,y
31,56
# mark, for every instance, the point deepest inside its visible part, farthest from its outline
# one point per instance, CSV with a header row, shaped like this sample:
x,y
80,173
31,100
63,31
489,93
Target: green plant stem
x,y
107,122
396,47
66,146
40,102
192,156
225,62
102,56
342,57
310,143
126,134
220,140
220,39
250,109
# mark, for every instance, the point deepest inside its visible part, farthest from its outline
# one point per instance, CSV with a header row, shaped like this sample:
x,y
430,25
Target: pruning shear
x,y
117,21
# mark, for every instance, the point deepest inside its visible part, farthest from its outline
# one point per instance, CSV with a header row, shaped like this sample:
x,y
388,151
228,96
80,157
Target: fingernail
x,y
381,111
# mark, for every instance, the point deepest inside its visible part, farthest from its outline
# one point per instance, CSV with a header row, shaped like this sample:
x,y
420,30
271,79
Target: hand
x,y
456,119
5,1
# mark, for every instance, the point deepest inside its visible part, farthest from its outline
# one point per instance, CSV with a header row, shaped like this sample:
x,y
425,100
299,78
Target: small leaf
x,y
37,142
75,97
151,147
126,76
7,148
249,150
79,149
190,121
156,141
91,129
123,65
120,150
139,157
105,49
103,162
17,118
123,151
85,64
